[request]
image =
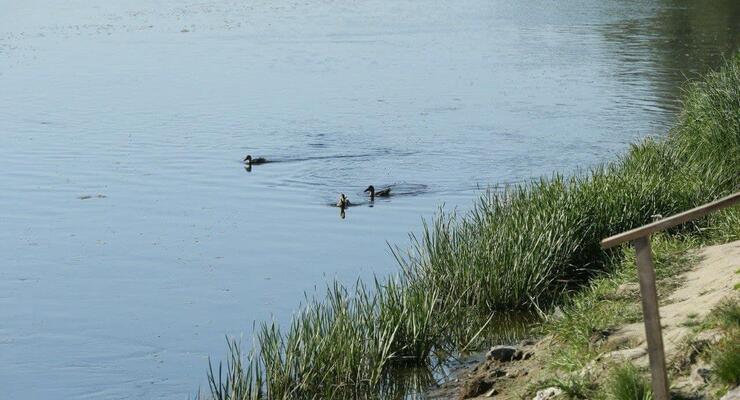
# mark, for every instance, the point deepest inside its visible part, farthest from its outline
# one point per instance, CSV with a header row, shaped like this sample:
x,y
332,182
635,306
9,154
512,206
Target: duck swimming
x,y
254,161
380,193
343,201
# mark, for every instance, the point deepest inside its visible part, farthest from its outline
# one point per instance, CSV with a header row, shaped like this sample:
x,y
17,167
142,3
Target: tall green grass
x,y
726,360
519,250
726,354
628,384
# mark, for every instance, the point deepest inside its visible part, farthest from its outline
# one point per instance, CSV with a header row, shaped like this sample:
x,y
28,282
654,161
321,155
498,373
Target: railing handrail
x,y
671,221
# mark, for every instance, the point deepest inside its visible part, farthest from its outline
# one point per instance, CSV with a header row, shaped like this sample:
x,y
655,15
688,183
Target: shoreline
x,y
530,248
708,283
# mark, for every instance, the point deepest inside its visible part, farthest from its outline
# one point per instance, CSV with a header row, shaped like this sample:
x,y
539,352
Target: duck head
x,y
371,189
248,159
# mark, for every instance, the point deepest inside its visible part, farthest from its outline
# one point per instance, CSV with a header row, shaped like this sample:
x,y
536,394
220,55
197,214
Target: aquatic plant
x,y
521,249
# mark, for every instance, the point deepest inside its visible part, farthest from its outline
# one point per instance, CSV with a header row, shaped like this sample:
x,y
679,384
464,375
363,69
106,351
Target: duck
x,y
380,193
343,201
254,161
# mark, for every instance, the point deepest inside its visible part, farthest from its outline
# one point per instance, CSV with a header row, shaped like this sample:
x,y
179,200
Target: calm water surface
x,y
148,107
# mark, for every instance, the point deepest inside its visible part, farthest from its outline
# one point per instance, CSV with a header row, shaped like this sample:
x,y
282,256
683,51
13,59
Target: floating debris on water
x,y
90,196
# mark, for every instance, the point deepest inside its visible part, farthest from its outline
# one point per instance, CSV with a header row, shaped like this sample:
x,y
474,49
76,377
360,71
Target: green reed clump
x,y
726,360
628,384
339,346
520,249
725,355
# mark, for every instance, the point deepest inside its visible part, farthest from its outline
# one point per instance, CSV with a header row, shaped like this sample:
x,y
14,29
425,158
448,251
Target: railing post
x,y
649,294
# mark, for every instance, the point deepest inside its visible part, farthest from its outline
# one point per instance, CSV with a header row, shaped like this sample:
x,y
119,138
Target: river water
x,y
133,240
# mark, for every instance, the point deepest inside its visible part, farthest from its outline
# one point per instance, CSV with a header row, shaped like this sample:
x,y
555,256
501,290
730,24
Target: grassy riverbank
x,y
580,354
520,250
592,346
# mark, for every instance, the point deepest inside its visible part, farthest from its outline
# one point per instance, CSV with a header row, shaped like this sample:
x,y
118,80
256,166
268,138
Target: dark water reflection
x,y
132,238
673,42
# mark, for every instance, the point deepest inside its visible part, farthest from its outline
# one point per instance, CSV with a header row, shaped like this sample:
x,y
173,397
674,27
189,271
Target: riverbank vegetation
x,y
578,360
522,250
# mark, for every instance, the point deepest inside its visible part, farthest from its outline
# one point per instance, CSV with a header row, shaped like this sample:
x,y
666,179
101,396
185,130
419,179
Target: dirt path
x,y
712,280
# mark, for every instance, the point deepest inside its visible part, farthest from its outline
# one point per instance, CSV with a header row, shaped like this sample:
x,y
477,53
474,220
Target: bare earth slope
x,y
702,288
711,281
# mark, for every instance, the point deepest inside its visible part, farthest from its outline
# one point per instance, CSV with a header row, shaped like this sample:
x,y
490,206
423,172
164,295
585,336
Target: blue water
x,y
132,238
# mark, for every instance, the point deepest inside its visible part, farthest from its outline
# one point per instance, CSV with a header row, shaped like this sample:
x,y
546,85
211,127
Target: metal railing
x,y
640,238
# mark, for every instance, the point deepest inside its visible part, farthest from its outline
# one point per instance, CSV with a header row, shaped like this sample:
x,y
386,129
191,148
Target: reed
x,y
519,250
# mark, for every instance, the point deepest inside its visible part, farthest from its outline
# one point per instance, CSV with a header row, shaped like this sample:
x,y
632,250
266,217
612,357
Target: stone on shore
x,y
733,394
504,353
549,393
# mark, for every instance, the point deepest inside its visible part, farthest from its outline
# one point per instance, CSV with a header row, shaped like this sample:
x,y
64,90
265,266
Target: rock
x,y
733,394
549,393
700,374
480,384
600,335
587,370
512,374
682,386
704,339
627,354
698,344
557,314
475,387
504,353
591,369
628,290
